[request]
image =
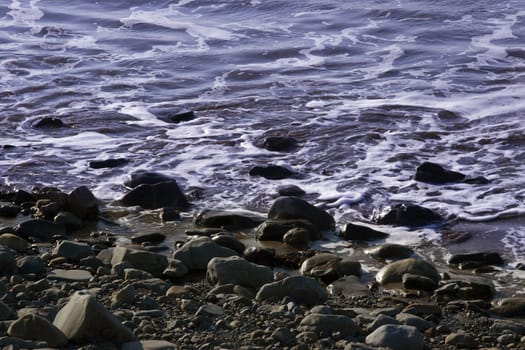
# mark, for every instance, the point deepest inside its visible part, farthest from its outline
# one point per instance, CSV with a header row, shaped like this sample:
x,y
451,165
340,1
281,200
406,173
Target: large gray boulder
x,y
139,259
72,250
84,320
396,337
292,208
197,253
35,327
237,270
393,272
301,289
327,324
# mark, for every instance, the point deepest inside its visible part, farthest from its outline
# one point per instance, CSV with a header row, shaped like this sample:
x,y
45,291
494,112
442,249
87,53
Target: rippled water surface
x,y
359,84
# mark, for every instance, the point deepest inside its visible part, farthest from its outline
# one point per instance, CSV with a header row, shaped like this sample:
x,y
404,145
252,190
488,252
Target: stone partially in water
x,y
293,208
355,232
482,258
279,144
290,190
107,163
9,211
435,174
410,215
272,172
146,178
49,123
163,194
274,230
393,272
227,219
390,251
329,267
197,253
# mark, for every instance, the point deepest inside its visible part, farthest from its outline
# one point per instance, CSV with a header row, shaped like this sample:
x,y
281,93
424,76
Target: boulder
x,y
290,190
229,242
274,230
297,237
408,215
481,258
139,259
154,196
227,220
279,144
353,232
294,208
435,174
84,320
510,307
14,242
197,253
107,163
238,271
393,272
172,114
349,286
328,324
9,210
461,340
49,123
72,250
69,220
155,237
35,327
396,337
303,290
8,265
272,172
146,178
390,251
418,282
31,264
329,267
82,203
466,288
42,230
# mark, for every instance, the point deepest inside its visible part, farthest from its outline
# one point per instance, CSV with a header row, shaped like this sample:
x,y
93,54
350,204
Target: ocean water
x,y
369,89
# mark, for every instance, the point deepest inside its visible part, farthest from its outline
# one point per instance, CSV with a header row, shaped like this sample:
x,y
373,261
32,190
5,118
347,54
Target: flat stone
x,y
149,345
210,309
393,272
139,259
154,237
396,337
70,275
72,250
301,289
84,320
34,327
327,324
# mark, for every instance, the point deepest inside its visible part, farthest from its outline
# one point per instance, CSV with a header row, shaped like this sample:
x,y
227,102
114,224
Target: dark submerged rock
x,y
154,196
355,232
390,251
435,174
83,203
280,144
272,172
146,178
9,211
107,163
274,230
49,123
154,237
293,208
226,219
172,114
290,190
411,215
482,258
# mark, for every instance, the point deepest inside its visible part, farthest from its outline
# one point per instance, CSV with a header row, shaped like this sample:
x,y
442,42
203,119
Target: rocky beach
x,y
219,279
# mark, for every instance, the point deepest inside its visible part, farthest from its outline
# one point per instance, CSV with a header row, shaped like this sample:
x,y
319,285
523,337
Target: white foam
x,y
24,12
85,140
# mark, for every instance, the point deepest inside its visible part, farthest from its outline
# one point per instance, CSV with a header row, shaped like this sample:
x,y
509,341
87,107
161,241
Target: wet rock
x,y
272,172
39,229
301,289
349,286
408,215
482,258
172,114
328,324
6,313
390,251
229,242
8,263
418,282
478,180
84,320
69,220
31,264
293,208
107,163
34,327
435,174
279,144
20,196
82,203
274,230
146,178
228,220
139,259
329,267
467,288
154,196
169,214
461,340
393,272
396,337
197,253
238,271
154,237
261,256
14,242
361,233
510,307
9,211
49,123
290,190
297,237
72,275
72,250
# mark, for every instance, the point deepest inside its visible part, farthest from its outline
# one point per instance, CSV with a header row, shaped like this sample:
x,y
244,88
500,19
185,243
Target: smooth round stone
x,y
70,275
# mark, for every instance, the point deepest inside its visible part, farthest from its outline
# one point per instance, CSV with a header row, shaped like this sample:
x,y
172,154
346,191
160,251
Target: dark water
x,y
359,84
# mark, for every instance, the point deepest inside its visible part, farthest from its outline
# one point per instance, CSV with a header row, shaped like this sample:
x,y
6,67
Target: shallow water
x,y
360,87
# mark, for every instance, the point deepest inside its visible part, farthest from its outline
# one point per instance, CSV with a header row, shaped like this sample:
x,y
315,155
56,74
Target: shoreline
x,y
181,306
